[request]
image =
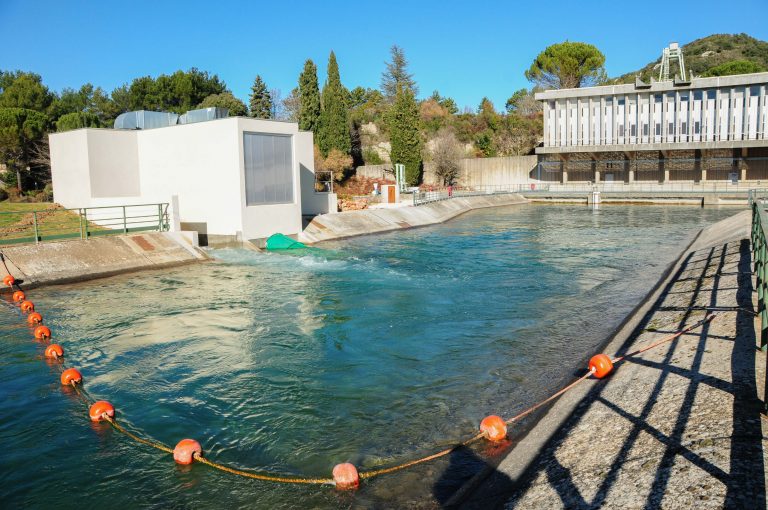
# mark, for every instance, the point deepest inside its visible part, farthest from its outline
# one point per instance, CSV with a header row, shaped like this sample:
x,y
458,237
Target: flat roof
x,y
736,80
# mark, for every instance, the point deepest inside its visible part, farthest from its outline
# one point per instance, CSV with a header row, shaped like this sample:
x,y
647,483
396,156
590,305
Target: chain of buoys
x,y
493,428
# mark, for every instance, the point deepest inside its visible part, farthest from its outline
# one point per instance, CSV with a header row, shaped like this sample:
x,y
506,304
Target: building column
x,y
743,164
564,159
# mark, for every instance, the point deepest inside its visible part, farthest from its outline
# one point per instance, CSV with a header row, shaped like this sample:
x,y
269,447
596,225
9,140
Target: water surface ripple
x,y
371,350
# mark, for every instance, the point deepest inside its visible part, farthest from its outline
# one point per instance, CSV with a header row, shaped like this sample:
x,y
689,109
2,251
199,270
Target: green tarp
x,y
282,242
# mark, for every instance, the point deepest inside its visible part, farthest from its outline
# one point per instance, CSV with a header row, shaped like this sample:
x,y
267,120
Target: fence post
x,y
80,219
85,221
125,224
34,221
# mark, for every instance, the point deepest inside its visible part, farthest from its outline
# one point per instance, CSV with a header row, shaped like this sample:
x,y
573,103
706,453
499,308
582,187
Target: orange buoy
x,y
600,365
54,351
34,318
42,332
19,296
70,376
27,306
345,476
99,409
185,451
9,280
493,428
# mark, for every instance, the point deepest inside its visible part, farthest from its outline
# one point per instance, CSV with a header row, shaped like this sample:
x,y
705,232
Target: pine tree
x,y
333,132
404,133
261,100
396,74
309,93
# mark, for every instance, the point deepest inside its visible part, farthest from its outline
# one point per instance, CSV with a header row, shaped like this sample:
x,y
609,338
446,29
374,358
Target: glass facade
x,y
268,168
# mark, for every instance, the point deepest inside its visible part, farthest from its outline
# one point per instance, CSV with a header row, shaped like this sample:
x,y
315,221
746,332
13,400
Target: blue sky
x,y
466,50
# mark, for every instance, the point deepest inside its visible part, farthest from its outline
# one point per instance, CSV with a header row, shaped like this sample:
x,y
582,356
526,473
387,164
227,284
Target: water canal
x,y
371,350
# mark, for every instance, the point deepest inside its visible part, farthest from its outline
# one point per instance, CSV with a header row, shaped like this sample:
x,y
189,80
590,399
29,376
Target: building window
x,y
645,129
632,130
671,128
696,127
268,169
658,129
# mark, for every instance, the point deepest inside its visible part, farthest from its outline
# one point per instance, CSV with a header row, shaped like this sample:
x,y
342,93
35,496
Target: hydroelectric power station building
x,y
226,178
696,131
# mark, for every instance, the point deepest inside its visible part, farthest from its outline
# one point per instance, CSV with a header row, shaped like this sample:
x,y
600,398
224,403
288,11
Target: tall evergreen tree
x,y
309,94
404,133
334,115
261,100
396,74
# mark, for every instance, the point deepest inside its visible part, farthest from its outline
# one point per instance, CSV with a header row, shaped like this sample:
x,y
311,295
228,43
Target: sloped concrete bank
x,y
70,261
371,221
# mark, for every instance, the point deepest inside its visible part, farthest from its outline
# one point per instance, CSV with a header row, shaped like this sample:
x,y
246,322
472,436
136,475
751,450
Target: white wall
x,y
202,163
69,168
199,163
312,202
261,221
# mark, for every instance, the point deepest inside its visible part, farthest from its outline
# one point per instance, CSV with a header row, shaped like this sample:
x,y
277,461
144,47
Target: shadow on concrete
x,y
464,469
744,480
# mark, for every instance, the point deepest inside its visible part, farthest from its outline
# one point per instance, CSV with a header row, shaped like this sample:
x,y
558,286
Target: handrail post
x,y
85,221
34,221
80,219
159,217
125,223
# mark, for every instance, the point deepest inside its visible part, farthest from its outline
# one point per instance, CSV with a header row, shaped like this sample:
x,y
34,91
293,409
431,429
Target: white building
x,y
682,127
231,178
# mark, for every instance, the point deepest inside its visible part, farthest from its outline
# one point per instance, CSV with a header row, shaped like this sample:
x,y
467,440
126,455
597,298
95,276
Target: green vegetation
x,y
309,98
261,101
735,67
404,128
77,120
351,126
396,75
333,131
225,100
705,54
568,65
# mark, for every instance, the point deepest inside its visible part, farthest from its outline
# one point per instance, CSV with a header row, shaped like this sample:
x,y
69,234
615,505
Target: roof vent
x,y
145,119
203,114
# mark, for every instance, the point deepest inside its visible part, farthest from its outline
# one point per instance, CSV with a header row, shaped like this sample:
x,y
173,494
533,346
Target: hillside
x,y
705,54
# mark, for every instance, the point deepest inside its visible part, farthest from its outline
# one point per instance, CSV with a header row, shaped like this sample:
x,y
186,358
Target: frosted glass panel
x,y
268,169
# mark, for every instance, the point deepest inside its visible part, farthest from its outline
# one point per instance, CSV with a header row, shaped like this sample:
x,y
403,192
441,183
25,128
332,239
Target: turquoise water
x,y
373,351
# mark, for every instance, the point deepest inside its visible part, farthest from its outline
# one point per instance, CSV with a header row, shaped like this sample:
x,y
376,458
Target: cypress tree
x,y
309,94
405,136
334,115
261,100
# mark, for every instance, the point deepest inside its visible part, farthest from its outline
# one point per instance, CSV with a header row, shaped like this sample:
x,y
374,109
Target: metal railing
x,y
425,197
323,181
41,225
758,200
647,187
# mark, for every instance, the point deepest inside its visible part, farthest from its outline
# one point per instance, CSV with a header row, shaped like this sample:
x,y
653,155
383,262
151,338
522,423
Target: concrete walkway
x,y
78,260
676,427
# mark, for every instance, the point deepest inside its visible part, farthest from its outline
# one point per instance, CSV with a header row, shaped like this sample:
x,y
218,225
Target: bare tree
x,y
446,153
291,106
277,107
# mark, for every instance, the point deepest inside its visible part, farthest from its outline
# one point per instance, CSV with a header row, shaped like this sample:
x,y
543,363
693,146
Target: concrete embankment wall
x,y
370,221
69,261
472,171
